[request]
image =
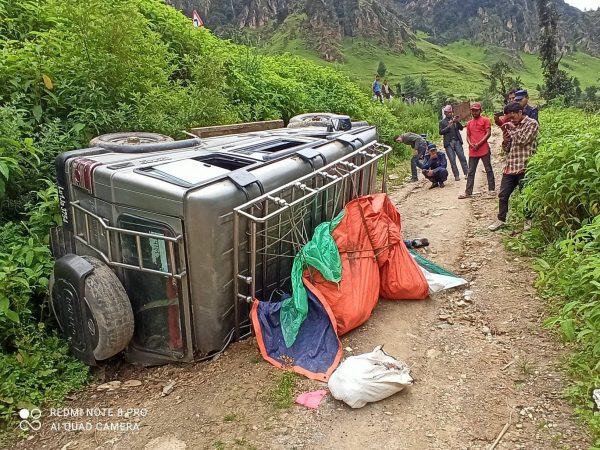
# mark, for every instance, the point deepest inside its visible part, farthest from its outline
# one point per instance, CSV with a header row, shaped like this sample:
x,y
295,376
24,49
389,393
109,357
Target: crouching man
x,y
435,167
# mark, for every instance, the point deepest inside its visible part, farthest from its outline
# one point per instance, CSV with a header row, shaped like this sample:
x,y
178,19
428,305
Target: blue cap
x,y
430,146
522,93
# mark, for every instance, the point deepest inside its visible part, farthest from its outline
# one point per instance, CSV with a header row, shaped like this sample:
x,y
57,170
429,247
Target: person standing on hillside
x,y
523,131
377,89
450,128
479,130
522,97
387,91
419,145
435,167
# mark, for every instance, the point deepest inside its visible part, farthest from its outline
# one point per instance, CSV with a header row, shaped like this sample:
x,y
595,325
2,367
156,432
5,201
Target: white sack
x,y
369,377
439,282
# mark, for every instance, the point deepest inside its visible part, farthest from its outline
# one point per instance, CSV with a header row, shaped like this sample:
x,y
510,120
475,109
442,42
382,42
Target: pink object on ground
x,y
311,399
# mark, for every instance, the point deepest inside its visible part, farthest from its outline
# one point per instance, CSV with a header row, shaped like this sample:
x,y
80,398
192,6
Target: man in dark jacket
x,y
435,167
419,145
450,128
522,97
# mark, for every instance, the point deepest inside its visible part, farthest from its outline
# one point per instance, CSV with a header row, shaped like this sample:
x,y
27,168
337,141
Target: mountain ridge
x,y
325,23
511,24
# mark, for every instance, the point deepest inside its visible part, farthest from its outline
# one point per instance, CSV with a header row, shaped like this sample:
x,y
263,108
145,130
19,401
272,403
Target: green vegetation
x,y
525,367
282,395
68,74
562,191
459,69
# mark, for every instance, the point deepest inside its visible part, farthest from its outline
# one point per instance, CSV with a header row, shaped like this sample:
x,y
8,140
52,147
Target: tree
x,y
501,80
423,92
398,87
410,87
381,69
556,81
590,93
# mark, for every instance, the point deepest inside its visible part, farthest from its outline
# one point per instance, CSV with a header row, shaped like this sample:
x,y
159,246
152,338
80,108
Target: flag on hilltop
x,y
196,19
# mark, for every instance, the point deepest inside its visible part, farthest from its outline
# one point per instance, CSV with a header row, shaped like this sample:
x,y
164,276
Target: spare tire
x,y
333,122
308,123
312,118
111,319
129,138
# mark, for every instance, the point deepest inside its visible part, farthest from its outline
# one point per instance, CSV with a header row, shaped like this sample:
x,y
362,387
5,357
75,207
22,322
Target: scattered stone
x,y
519,426
433,353
349,349
168,388
110,386
132,383
485,330
165,443
596,396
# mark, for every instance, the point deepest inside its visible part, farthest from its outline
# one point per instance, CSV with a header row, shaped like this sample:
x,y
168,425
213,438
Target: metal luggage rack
x,y
84,236
271,229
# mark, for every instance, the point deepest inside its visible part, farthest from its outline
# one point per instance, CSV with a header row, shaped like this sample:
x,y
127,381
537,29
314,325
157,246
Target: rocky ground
x,y
480,358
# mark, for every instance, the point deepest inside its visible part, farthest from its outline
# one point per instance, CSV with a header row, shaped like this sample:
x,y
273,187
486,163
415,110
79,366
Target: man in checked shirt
x,y
523,132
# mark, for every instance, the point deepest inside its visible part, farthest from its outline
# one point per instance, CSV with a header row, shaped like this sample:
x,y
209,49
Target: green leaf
x,y
78,127
568,328
4,170
12,316
29,258
3,304
37,112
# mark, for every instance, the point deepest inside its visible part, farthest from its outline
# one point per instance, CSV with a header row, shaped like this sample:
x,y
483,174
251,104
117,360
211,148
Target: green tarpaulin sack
x,y
320,252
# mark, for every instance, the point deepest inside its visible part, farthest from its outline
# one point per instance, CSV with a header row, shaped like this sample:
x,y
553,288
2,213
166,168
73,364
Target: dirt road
x,y
479,363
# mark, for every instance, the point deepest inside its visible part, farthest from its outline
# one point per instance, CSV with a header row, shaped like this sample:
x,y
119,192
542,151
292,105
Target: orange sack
x,y
401,277
358,292
375,263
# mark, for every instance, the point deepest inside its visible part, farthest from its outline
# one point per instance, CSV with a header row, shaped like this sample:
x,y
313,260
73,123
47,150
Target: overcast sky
x,y
584,4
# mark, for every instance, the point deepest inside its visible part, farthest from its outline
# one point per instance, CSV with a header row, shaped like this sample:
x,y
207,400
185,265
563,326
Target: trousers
x,y
438,177
417,160
487,163
508,184
453,150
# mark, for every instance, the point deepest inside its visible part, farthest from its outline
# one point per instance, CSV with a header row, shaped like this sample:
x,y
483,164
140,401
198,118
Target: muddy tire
x,y
111,319
129,138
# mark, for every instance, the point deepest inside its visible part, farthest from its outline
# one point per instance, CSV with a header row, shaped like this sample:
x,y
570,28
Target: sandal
x,y
462,196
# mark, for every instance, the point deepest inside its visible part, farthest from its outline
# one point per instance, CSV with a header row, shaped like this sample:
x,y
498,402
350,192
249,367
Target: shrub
x,y
562,192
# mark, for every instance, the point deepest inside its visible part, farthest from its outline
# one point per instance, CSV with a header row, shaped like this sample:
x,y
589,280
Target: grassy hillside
x,y
459,69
